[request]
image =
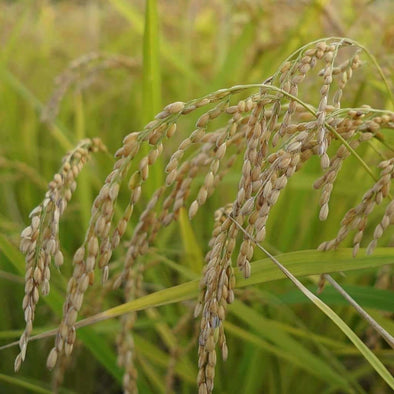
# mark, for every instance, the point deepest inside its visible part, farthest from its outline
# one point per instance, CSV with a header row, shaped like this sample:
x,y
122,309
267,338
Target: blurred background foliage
x,y
202,46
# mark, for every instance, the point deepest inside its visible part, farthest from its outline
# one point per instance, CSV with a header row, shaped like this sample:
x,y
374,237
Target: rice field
x,y
196,197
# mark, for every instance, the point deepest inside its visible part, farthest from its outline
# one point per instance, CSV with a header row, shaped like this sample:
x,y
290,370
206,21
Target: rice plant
x,y
277,127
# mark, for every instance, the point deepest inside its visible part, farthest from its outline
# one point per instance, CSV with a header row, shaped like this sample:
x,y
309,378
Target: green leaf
x,y
154,354
19,382
194,257
368,355
287,347
367,297
313,262
151,79
151,83
152,375
302,263
15,261
101,351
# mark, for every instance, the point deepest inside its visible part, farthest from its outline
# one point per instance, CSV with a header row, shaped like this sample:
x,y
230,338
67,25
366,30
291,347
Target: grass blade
x,y
369,356
192,249
151,92
388,338
151,82
18,382
294,351
368,297
339,260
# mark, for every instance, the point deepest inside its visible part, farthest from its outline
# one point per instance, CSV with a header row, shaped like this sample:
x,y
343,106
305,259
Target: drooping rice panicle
x,y
272,127
40,240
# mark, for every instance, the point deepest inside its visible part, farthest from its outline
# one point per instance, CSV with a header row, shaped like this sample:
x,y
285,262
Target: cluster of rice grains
x,y
274,129
40,241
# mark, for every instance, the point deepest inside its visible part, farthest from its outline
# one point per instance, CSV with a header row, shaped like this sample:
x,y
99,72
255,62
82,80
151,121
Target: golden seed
x,y
193,209
93,246
202,195
18,362
285,67
197,135
188,109
175,107
203,120
52,358
90,262
202,389
68,347
324,161
323,212
171,130
170,179
136,194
